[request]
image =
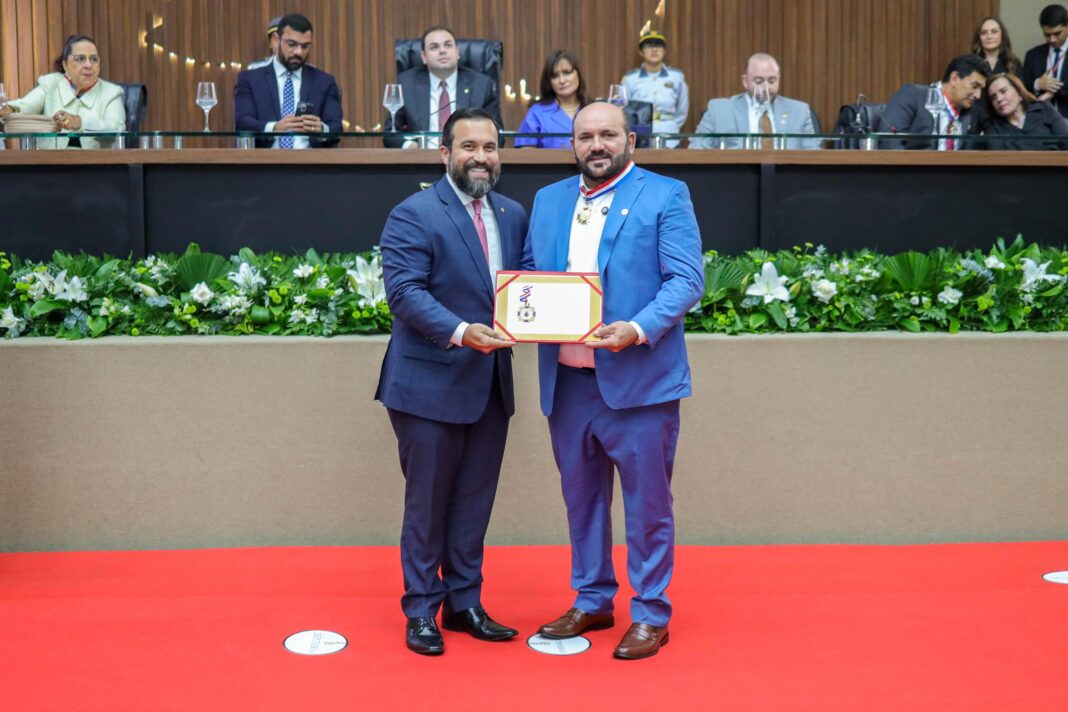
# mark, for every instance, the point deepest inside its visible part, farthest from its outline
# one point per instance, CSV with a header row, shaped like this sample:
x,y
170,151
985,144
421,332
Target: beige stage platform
x,y
209,442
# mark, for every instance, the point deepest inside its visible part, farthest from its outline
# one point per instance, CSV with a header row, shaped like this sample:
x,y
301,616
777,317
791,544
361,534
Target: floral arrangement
x,y
1011,287
75,296
807,289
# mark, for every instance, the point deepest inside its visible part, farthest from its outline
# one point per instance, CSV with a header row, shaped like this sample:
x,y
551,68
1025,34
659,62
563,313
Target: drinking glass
x,y
393,100
617,94
935,103
206,99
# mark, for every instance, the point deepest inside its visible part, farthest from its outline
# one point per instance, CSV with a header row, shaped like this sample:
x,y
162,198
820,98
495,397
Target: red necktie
x,y
951,144
480,228
444,108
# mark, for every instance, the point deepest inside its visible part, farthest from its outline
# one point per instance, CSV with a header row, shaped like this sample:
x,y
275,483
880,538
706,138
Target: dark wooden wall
x,y
829,49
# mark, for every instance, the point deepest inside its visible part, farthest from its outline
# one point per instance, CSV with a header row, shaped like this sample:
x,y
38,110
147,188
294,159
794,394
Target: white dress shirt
x,y
493,244
582,249
435,97
280,72
756,111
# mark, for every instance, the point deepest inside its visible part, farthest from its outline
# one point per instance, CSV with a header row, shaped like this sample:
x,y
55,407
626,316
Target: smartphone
x,y
303,108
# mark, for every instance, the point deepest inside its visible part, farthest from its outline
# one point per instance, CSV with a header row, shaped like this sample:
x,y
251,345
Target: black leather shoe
x,y
478,623
423,637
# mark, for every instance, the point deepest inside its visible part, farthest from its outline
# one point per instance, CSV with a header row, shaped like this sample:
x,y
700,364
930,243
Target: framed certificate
x,y
548,307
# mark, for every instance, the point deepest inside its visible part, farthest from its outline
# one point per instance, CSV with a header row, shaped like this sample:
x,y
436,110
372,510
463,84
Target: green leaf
x,y
260,315
46,306
723,276
757,320
247,255
192,269
911,271
910,324
954,325
97,325
777,313
313,257
105,270
5,283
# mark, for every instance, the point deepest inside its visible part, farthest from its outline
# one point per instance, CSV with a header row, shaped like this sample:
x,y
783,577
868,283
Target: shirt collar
x,y
662,73
280,70
756,108
607,186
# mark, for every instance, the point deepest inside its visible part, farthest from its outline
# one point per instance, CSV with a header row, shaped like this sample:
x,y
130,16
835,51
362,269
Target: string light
x,y
157,22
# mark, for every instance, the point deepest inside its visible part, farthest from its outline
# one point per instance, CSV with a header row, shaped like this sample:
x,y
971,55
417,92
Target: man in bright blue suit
x,y
270,98
614,404
447,377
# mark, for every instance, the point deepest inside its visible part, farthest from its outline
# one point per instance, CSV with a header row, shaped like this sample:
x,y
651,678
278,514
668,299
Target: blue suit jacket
x,y
652,272
436,276
256,101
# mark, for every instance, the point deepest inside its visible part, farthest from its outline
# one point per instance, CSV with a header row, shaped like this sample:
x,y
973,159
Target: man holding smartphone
x,y
289,95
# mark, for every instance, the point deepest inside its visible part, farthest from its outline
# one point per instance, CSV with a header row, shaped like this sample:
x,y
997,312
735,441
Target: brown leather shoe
x,y
575,622
641,641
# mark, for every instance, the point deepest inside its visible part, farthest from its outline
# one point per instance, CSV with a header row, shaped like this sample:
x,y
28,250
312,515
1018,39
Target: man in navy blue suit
x,y
614,404
289,94
447,377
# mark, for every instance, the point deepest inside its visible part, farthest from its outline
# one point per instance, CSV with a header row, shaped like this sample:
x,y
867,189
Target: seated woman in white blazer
x,y
75,97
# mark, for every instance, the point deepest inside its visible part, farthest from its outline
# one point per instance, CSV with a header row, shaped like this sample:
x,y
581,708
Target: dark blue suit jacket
x,y
473,90
907,114
1034,66
256,101
436,276
652,271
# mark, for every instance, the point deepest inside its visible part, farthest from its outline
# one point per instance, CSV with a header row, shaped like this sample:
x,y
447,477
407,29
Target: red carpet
x,y
959,627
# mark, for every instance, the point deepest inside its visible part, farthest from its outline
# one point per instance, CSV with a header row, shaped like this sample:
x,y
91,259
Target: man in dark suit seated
x,y
961,87
438,88
1043,66
289,94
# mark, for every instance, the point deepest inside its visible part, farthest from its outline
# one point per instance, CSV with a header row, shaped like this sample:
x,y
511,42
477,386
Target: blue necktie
x,y
287,109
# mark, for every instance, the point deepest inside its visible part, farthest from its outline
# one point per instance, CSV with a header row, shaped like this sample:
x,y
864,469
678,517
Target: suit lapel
x,y
741,114
466,228
421,109
270,83
504,231
626,194
562,229
306,79
463,90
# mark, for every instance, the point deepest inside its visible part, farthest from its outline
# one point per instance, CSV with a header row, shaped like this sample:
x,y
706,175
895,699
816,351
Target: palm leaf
x,y
194,268
911,271
723,276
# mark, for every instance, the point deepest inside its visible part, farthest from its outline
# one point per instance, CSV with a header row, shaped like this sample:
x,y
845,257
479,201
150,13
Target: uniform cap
x,y
272,26
652,37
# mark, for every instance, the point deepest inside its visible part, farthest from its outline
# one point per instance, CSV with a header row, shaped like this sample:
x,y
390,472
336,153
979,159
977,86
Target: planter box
x,y
892,438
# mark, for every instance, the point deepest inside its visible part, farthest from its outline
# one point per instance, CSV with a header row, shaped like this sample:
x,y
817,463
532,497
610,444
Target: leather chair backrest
x,y
857,119
135,99
640,116
483,56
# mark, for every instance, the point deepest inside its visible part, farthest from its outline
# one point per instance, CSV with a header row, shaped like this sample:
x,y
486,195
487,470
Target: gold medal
x,y
584,213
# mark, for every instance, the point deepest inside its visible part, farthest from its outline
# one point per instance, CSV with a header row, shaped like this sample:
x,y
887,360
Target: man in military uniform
x,y
662,86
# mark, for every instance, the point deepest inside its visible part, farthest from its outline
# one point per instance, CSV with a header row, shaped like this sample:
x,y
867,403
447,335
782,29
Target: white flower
x,y
72,291
1028,298
840,267
366,280
301,299
791,315
322,283
769,284
145,290
812,272
950,296
304,271
9,321
824,290
105,307
233,304
200,293
1034,275
247,279
914,301
38,285
308,317
992,262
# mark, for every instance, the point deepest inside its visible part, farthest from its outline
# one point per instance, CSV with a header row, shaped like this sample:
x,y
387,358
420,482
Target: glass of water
x,y
393,100
617,94
206,99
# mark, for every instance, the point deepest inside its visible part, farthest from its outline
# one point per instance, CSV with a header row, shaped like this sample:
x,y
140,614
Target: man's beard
x,y
618,163
475,187
289,63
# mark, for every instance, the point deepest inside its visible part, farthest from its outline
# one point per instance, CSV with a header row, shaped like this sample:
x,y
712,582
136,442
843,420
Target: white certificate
x,y
548,307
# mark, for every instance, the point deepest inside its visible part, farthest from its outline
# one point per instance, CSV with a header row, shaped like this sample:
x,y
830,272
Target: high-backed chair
x,y
135,99
640,116
482,56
